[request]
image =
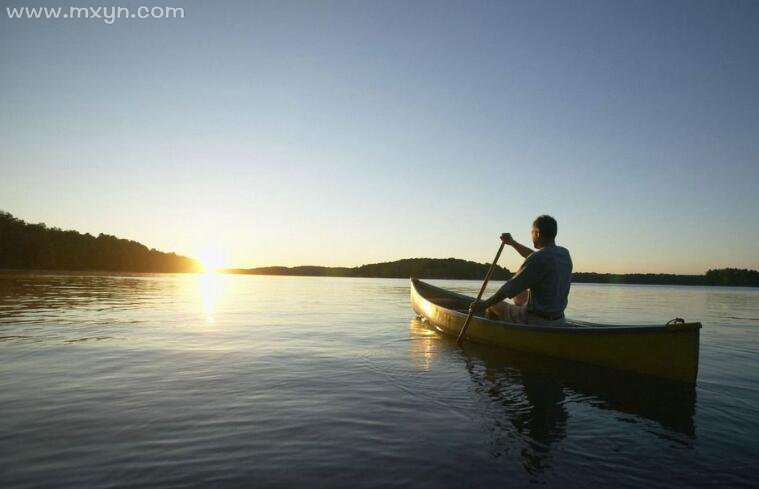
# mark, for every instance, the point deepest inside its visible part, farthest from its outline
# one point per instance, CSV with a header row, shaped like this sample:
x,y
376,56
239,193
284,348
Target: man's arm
x,y
526,277
520,248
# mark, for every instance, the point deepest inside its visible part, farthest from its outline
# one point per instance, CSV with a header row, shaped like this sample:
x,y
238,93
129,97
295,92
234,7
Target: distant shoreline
x,y
37,248
425,268
608,281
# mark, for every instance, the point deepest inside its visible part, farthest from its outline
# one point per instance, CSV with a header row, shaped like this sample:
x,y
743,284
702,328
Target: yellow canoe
x,y
669,351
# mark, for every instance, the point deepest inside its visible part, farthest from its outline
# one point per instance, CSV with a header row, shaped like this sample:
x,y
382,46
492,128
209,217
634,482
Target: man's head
x,y
544,231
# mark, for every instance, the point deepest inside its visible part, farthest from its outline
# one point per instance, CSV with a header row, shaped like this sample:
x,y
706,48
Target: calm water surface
x,y
233,381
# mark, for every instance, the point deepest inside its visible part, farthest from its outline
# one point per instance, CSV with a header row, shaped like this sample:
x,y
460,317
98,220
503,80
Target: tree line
x,y
453,268
430,268
723,276
38,247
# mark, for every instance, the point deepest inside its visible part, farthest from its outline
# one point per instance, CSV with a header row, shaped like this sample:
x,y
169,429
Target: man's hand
x,y
507,239
477,306
520,248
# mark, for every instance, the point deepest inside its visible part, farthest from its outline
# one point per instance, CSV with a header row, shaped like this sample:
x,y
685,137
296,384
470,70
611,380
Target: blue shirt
x,y
548,274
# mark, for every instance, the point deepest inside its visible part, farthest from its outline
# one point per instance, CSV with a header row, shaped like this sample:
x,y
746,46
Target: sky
x,y
344,133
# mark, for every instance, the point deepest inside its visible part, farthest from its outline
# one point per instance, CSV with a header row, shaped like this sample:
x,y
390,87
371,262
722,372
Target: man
x,y
541,286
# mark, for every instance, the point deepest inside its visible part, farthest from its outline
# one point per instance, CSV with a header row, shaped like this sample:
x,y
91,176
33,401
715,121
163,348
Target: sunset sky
x,y
343,133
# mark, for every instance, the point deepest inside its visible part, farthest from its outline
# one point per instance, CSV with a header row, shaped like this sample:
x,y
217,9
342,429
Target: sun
x,y
212,260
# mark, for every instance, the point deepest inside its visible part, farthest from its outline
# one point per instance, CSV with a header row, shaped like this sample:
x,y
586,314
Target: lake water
x,y
232,381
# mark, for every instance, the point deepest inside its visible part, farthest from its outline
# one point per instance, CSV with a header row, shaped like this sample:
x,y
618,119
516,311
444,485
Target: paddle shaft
x,y
460,339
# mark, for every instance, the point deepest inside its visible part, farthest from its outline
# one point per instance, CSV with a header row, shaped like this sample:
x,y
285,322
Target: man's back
x,y
549,290
546,273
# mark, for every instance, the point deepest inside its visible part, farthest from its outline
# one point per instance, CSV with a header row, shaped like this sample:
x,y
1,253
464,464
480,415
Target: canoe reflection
x,y
531,393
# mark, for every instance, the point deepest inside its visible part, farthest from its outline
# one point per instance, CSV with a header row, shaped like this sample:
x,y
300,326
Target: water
x,y
229,381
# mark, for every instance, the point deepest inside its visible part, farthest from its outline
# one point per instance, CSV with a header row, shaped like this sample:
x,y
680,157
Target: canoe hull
x,y
663,351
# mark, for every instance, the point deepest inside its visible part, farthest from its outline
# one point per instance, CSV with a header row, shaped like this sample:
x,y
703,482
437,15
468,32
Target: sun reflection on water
x,y
422,345
211,288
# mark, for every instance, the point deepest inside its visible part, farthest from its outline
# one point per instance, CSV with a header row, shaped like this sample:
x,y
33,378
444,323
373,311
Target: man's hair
x,y
547,226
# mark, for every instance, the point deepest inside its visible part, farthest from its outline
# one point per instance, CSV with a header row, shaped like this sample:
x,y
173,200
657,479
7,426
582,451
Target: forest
x,y
453,268
25,246
430,268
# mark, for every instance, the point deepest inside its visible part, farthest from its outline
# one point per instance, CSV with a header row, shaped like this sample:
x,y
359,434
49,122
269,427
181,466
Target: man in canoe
x,y
541,286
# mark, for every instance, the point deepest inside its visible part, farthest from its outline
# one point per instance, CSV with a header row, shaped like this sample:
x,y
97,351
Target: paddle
x,y
460,339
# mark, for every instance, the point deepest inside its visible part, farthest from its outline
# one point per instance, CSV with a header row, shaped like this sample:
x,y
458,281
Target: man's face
x,y
535,236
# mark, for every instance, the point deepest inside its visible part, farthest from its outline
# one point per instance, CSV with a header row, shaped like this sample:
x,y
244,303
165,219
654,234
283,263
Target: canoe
x,y
667,350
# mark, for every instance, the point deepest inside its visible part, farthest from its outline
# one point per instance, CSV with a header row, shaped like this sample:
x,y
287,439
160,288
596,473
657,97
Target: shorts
x,y
511,313
506,311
